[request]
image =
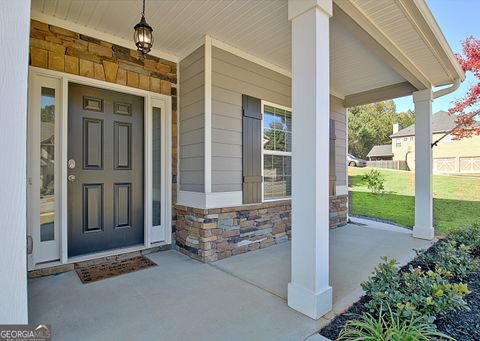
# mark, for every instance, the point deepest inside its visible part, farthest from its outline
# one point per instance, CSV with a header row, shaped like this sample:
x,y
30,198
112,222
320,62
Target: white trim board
x,y
210,200
150,99
207,170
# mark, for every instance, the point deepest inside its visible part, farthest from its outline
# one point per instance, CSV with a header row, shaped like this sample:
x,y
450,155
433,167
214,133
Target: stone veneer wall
x,y
58,49
213,234
338,210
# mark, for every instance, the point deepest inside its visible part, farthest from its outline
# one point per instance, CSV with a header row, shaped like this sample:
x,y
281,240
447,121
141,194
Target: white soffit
x,y
355,68
390,16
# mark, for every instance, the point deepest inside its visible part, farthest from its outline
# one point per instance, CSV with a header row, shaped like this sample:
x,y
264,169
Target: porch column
x,y
309,291
14,39
423,165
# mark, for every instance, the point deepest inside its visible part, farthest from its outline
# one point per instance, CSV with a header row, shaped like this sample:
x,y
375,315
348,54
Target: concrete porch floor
x,y
240,298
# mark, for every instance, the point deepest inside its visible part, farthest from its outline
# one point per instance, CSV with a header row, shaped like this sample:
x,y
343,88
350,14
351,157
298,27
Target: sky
x,y
458,20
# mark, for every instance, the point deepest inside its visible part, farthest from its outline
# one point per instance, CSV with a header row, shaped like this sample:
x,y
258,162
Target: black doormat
x,y
105,270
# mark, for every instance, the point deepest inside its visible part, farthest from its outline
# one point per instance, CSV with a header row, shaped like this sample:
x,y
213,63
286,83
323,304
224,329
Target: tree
x,y
371,124
467,108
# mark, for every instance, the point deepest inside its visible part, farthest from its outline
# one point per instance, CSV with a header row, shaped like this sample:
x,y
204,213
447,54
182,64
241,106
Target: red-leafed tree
x,y
467,108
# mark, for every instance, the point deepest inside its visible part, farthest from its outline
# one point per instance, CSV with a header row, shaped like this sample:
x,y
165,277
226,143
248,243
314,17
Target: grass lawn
x,y
456,198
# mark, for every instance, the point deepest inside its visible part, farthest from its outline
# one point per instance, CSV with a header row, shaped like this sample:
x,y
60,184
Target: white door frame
x,y
153,236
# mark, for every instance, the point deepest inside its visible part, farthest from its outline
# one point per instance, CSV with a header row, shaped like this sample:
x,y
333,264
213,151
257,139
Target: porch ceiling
x,y
261,28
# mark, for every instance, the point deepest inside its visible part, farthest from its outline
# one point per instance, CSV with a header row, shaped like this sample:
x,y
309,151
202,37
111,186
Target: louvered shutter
x,y
252,149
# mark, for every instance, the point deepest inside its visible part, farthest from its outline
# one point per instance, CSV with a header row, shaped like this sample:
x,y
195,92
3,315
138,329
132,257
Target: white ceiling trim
x,y
98,34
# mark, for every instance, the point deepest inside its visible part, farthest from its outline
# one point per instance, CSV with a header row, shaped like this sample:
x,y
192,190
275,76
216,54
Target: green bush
x,y
469,236
412,293
450,259
390,327
374,180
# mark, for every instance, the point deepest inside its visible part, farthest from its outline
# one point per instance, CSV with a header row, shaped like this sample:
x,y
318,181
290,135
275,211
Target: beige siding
x,y
339,114
233,76
192,117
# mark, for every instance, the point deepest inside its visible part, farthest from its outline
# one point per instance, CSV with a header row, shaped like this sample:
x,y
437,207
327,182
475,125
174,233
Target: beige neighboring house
x,y
449,155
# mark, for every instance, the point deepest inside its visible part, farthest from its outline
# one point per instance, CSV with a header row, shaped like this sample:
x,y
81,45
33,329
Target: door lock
x,y
71,164
71,178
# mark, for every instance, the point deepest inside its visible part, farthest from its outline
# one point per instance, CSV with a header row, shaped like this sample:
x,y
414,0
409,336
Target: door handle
x,y
71,164
71,178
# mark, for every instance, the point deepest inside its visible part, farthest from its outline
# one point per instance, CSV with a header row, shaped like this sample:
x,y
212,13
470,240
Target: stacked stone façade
x,y
213,234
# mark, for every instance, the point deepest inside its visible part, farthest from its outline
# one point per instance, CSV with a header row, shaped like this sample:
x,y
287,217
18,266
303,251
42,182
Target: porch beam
x,y
379,94
423,165
309,291
369,34
14,27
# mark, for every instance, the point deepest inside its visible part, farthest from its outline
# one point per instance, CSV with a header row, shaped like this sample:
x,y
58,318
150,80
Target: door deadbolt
x,y
71,164
71,178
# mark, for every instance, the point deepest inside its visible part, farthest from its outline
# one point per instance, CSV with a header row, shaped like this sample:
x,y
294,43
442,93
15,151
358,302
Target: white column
x,y
423,165
309,291
14,38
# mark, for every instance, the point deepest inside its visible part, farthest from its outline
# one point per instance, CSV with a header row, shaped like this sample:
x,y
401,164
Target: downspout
x,y
443,92
450,89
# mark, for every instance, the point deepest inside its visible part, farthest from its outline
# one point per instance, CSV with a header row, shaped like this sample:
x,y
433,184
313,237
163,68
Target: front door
x,y
105,170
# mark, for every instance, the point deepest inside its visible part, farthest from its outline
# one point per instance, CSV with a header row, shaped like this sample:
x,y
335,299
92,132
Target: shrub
x,y
390,327
412,293
469,236
450,259
374,180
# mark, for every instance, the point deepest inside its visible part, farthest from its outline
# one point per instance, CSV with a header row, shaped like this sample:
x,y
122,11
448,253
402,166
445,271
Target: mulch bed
x,y
462,324
113,268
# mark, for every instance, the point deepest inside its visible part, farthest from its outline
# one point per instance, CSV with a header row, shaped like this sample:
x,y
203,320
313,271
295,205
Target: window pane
x,y
280,140
288,142
47,165
288,186
287,165
156,167
268,132
288,120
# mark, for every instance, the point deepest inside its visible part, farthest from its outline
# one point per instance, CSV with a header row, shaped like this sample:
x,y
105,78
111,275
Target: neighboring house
x,y
229,136
380,152
449,155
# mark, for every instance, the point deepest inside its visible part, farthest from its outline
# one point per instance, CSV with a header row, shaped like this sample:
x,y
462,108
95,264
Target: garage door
x,y
470,164
446,165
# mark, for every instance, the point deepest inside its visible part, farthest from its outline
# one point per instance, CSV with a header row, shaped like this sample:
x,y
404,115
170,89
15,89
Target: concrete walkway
x,y
241,298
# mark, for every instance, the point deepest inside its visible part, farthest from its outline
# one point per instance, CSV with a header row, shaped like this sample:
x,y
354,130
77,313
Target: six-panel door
x,y
105,170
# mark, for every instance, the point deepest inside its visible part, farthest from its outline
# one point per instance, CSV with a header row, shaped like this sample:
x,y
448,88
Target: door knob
x,y
71,178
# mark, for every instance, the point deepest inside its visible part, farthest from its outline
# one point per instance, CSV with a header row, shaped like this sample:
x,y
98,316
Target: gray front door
x,y
105,170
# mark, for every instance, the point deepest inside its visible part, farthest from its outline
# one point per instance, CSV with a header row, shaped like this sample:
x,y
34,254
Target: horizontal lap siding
x,y
339,114
233,76
192,121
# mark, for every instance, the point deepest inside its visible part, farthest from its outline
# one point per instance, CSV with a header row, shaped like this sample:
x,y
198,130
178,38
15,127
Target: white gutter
x,y
450,89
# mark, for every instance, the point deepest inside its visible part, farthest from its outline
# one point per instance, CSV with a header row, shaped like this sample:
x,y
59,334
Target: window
x,y
399,143
47,164
412,138
405,139
156,167
277,152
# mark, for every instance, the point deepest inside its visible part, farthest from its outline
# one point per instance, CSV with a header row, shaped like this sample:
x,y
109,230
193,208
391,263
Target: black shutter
x,y
332,162
252,149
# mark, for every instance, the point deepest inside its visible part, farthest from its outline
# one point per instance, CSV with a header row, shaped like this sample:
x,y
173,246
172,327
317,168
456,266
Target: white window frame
x,y
272,152
58,251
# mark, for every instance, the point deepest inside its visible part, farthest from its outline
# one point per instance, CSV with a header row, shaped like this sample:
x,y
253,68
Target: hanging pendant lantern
x,y
143,36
